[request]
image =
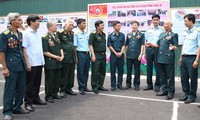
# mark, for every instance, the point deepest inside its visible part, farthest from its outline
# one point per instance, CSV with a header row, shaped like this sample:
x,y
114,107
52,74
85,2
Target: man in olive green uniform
x,y
66,37
14,68
134,49
167,43
53,55
97,42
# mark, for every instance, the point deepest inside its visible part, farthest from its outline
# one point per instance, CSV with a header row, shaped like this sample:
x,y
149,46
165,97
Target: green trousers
x,y
52,82
67,77
98,71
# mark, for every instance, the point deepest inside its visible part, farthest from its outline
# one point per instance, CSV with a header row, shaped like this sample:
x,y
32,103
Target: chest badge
x,y
51,43
138,36
129,36
12,43
168,37
99,38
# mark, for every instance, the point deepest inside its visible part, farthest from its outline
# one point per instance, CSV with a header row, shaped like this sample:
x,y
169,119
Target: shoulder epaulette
x,y
7,31
162,28
61,31
76,33
45,35
94,32
198,29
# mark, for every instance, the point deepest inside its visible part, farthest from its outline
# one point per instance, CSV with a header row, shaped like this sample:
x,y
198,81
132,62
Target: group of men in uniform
x,y
23,57
167,42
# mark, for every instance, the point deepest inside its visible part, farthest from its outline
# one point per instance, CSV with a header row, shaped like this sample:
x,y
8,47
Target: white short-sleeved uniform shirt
x,y
32,41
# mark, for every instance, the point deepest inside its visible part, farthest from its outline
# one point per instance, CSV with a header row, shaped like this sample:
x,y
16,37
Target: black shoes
x,y
50,100
113,89
102,89
184,98
82,92
71,92
127,87
63,95
157,89
96,91
87,90
21,111
29,107
57,97
137,88
148,88
39,102
169,97
161,93
121,87
189,101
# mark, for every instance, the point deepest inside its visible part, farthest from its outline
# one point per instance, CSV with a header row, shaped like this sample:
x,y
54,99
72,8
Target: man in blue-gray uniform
x,y
189,59
167,43
134,50
81,44
14,67
116,44
152,36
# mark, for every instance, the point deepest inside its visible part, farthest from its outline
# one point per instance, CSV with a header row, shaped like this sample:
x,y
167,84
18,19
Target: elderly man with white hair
x,y
167,43
14,67
53,55
66,37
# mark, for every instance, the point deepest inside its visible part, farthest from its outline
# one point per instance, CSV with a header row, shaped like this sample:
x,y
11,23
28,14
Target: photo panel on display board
x,y
126,12
177,15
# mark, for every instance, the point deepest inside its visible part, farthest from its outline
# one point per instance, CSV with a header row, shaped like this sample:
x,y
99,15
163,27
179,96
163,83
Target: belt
x,y
150,47
85,52
98,52
189,55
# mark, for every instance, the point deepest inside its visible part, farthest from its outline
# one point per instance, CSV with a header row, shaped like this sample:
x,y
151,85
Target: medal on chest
x,y
99,38
51,43
129,36
12,43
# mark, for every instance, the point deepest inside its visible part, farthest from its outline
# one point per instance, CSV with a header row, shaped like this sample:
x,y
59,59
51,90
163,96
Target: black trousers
x,y
189,73
33,81
130,63
167,78
151,54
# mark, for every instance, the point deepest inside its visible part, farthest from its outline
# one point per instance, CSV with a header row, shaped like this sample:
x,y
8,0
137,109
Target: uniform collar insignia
x,y
129,36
